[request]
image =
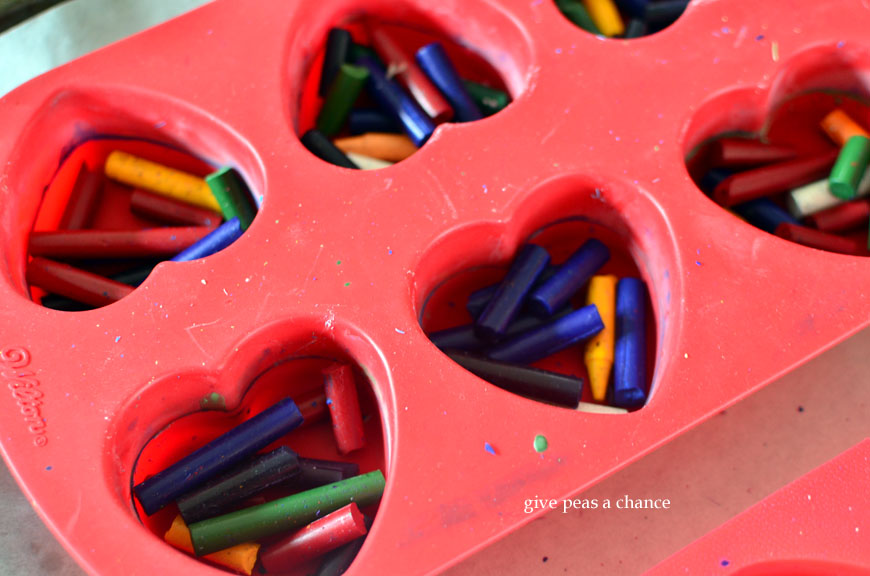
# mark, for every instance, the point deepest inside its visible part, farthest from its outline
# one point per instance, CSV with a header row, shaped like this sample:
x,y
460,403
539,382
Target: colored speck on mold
x,y
398,331
338,263
329,401
540,443
346,284
800,408
544,559
488,447
725,563
213,401
698,263
117,338
759,38
48,468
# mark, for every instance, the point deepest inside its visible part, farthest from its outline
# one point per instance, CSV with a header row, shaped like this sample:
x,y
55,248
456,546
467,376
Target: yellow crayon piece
x,y
599,350
606,16
240,557
141,173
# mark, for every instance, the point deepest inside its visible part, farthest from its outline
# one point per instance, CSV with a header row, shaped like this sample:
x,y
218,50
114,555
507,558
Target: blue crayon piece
x,y
215,241
633,8
479,299
434,62
217,456
395,101
764,213
365,120
712,179
569,278
629,354
465,337
509,296
532,345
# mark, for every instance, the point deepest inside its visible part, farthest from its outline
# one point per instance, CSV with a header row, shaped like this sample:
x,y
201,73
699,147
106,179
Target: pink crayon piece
x,y
341,397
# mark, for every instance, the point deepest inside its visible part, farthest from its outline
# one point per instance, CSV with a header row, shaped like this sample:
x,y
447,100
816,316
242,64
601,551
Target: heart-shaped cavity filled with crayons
x,y
306,436
378,89
800,172
622,18
565,318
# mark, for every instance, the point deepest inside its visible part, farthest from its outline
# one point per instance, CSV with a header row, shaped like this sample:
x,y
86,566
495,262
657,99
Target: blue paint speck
x,y
698,263
48,468
160,124
759,38
390,251
329,402
117,338
725,563
489,448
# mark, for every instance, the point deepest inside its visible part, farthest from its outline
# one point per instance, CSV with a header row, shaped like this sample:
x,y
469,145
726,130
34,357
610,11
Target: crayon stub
x,y
821,240
599,350
541,385
434,61
337,562
241,557
384,146
816,196
840,127
214,242
341,397
232,195
314,473
319,145
342,95
850,167
538,343
218,456
249,478
505,303
763,213
170,211
569,278
606,16
318,538
86,191
629,369
141,173
338,43
115,243
74,283
284,514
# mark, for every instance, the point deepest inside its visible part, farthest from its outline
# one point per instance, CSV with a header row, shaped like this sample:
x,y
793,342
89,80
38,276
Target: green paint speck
x,y
213,401
338,263
346,284
540,443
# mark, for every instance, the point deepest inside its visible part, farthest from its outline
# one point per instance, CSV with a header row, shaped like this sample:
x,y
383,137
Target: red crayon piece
x,y
404,67
321,536
75,284
730,152
115,244
842,217
82,201
773,178
312,406
170,211
821,240
347,425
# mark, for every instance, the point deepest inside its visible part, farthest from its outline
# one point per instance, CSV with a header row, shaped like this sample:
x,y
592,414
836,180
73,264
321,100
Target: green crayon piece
x,y
284,514
358,51
578,15
232,196
489,100
849,168
340,98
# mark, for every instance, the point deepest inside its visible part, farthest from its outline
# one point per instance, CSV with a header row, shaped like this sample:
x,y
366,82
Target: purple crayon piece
x,y
479,299
629,354
569,278
217,456
537,343
213,242
314,473
505,303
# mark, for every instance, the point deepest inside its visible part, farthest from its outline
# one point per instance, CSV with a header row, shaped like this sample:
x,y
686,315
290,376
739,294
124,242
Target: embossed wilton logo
x,y
25,390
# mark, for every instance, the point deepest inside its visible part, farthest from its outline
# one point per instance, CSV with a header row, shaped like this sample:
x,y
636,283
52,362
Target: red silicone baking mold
x,y
815,526
339,263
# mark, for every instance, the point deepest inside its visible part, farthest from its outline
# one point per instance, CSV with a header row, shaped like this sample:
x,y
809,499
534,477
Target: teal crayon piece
x,y
284,514
849,168
232,196
578,15
489,100
342,94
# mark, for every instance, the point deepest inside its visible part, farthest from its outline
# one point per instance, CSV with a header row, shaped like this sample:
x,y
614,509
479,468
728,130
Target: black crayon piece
x,y
223,494
320,146
465,337
314,473
662,14
339,560
635,29
338,44
529,382
133,277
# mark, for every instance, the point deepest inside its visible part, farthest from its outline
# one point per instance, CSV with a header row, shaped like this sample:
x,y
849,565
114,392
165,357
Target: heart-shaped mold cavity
x,y
622,18
574,227
381,83
109,197
310,371
797,169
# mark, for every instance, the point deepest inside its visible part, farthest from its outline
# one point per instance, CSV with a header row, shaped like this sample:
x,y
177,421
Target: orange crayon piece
x,y
240,557
388,147
839,127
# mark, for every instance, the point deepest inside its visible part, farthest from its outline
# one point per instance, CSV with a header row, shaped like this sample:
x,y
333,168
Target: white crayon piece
x,y
599,408
816,196
367,162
